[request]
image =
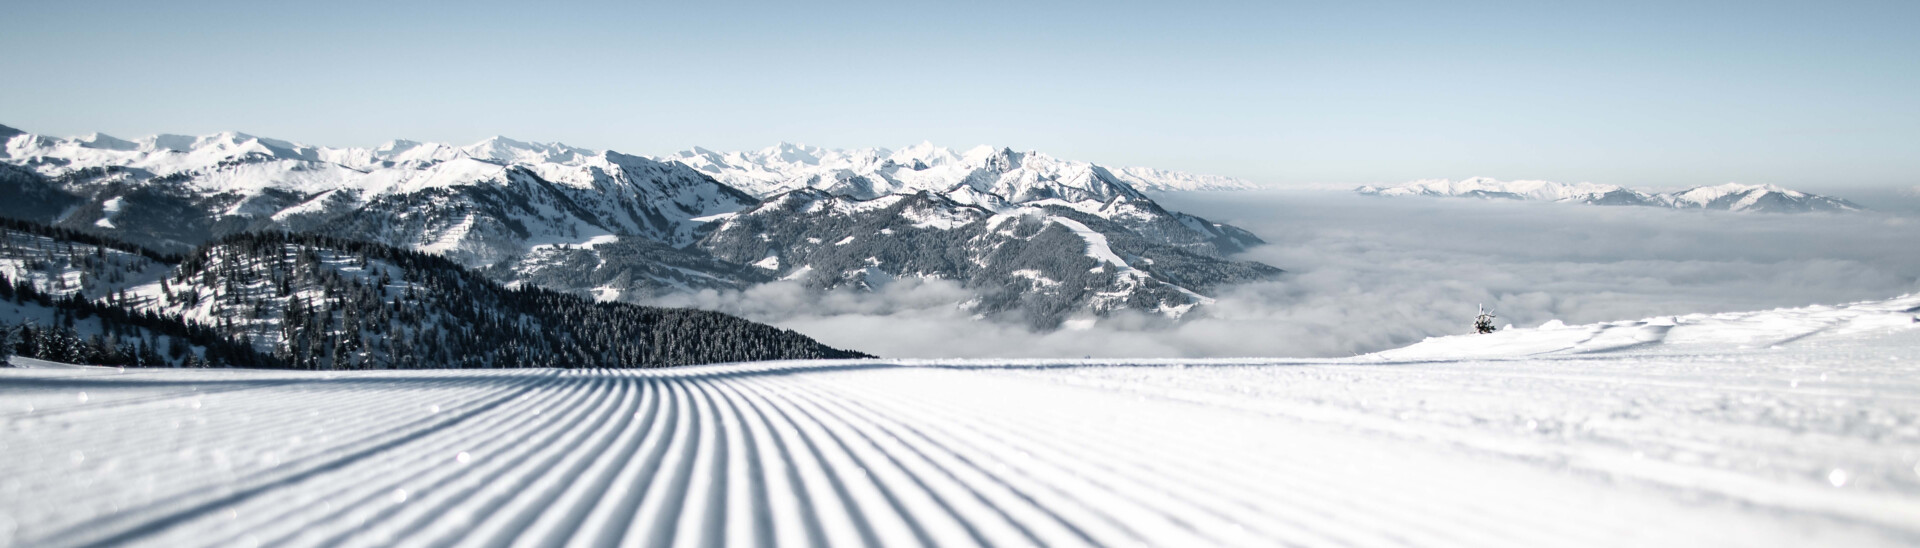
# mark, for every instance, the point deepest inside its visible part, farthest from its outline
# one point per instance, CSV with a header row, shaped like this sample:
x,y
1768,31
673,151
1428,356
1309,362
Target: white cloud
x,y
1367,274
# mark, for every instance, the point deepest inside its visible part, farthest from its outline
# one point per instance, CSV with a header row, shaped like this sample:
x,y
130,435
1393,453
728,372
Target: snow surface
x,y
1810,440
1763,329
110,208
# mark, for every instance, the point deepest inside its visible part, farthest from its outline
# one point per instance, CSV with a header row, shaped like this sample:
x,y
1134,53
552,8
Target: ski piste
x,y
1788,427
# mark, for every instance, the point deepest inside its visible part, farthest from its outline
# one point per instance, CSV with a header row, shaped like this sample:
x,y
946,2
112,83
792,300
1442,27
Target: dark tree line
x,y
8,224
352,304
127,336
272,299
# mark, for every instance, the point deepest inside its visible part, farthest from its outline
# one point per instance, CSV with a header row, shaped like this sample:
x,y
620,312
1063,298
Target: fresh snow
x,y
1096,242
1805,439
1763,329
771,262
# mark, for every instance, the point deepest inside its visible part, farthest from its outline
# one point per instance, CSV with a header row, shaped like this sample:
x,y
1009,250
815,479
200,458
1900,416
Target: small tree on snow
x,y
1484,322
6,343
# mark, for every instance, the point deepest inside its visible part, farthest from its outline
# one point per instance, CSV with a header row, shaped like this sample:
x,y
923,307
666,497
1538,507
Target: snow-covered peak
x,y
1490,187
451,173
1707,194
792,153
981,155
925,154
168,141
1161,180
1767,198
502,149
872,172
395,146
1730,196
107,142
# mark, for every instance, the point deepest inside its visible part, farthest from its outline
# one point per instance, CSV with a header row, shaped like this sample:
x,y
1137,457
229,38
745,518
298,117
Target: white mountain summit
x,y
1728,197
872,172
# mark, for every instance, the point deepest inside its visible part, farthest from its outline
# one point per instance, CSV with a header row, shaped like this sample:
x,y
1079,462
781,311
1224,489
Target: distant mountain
x,y
1726,197
314,302
1160,180
872,172
1764,198
619,227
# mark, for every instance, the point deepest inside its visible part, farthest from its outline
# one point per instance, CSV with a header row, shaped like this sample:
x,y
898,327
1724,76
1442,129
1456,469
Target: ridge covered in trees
x,y
125,336
69,235
310,301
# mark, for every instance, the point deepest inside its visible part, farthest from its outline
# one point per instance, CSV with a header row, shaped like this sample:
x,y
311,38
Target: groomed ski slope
x,y
1783,428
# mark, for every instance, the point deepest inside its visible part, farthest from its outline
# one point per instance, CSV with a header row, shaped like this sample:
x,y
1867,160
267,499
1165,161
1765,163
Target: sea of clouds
x,y
1369,273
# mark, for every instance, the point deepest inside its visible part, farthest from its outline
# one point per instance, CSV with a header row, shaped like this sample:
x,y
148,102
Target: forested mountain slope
x,y
317,302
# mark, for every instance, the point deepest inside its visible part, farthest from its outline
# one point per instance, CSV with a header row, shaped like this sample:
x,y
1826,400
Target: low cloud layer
x,y
1368,274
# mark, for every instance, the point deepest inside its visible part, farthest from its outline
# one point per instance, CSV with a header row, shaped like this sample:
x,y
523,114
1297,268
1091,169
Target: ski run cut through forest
x,y
1790,427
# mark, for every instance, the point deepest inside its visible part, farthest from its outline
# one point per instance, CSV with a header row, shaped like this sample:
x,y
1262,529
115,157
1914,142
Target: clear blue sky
x,y
1799,94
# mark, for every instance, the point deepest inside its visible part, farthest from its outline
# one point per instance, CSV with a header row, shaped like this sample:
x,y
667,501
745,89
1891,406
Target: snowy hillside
x,y
71,297
619,227
1762,329
1727,197
1809,440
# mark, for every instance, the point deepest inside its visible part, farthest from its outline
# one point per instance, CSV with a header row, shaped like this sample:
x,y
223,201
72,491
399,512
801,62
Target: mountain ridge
x,y
606,224
1725,197
868,172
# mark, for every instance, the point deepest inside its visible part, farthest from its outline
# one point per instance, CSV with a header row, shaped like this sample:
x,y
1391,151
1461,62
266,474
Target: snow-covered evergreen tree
x,y
1484,322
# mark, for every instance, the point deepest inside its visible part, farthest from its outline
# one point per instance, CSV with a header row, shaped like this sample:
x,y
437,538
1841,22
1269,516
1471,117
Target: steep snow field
x,y
1797,427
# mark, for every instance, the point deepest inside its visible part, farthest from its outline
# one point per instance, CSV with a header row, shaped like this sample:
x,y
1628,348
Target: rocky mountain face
x,y
1030,233
1045,262
1726,197
1017,226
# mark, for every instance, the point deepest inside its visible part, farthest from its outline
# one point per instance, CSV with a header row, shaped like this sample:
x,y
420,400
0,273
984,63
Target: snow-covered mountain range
x,y
1726,197
873,172
626,227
